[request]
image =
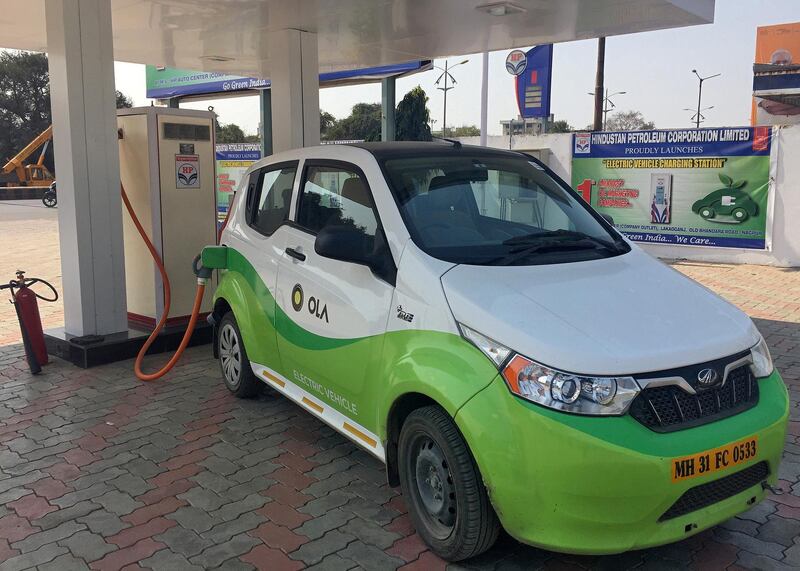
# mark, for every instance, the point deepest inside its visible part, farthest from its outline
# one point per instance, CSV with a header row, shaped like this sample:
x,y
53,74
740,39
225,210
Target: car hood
x,y
623,315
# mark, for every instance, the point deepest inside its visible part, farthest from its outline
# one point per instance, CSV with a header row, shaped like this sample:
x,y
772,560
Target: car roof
x,y
399,149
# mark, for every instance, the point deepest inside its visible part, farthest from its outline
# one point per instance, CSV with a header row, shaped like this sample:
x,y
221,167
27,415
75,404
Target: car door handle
x,y
296,255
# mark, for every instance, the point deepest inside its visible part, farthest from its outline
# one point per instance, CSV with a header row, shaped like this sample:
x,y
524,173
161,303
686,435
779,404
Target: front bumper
x,y
598,485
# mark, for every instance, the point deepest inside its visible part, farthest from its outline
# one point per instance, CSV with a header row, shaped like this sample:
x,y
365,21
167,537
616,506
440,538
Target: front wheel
x,y
447,500
707,212
740,214
236,371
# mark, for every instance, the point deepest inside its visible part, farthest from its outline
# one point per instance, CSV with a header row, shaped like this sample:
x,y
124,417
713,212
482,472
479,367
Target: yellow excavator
x,y
17,173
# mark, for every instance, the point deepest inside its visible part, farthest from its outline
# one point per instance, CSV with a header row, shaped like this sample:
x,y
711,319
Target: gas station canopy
x,y
289,42
231,36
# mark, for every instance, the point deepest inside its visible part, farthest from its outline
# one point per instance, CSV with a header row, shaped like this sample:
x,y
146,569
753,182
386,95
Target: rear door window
x,y
269,206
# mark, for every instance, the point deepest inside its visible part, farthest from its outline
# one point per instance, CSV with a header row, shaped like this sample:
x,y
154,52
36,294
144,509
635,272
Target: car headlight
x,y
762,361
555,389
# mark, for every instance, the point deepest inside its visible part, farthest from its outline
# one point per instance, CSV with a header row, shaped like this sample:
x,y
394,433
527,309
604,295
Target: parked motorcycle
x,y
49,198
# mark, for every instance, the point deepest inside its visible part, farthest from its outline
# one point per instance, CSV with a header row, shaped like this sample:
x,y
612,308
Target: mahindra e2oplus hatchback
x,y
466,318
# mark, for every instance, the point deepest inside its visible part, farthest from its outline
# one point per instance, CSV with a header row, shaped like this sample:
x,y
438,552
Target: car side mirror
x,y
344,243
350,244
607,217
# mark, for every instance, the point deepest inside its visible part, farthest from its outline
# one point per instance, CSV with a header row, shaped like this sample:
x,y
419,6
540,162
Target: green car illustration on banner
x,y
728,201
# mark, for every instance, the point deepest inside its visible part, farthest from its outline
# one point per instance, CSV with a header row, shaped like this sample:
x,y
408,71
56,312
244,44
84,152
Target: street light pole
x,y
446,75
608,105
444,90
700,93
694,116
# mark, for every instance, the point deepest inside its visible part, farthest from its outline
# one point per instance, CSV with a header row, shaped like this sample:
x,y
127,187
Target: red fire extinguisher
x,y
30,323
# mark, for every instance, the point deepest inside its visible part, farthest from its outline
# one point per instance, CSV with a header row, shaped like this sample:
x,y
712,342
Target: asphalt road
x,y
26,210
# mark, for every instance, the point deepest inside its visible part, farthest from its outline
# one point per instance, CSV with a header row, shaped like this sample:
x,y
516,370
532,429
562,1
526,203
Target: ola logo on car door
x,y
315,307
297,297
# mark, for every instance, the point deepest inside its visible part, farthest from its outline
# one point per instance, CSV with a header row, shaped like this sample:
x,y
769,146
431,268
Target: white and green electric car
x,y
465,317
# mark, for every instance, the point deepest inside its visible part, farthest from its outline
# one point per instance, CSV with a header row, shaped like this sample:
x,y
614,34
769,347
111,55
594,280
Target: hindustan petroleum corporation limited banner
x,y
233,160
697,187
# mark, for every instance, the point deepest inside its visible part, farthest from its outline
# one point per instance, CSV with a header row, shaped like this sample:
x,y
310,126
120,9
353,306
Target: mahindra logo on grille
x,y
707,377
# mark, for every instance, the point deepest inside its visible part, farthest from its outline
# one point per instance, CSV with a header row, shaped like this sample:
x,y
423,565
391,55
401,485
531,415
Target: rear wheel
x,y
707,212
49,199
236,371
447,500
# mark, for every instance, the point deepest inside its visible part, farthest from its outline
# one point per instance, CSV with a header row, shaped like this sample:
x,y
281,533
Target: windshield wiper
x,y
544,246
538,237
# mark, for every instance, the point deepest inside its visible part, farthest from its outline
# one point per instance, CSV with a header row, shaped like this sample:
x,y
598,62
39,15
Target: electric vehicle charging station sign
x,y
233,160
694,187
187,171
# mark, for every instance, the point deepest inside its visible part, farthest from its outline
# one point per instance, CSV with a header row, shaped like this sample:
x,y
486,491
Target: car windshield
x,y
495,210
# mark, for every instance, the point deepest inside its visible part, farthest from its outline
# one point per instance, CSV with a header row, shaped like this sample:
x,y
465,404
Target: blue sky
x,y
654,68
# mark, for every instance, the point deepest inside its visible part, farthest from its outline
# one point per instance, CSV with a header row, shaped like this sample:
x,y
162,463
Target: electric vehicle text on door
x,y
465,317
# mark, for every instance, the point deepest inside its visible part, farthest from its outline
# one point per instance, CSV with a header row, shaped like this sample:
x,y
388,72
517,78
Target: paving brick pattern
x,y
32,229
101,471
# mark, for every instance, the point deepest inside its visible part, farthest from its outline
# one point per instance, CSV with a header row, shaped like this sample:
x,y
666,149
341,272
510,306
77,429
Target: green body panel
x,y
598,485
254,309
440,365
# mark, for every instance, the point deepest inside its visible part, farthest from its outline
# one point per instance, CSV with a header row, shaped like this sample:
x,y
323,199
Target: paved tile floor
x,y
101,471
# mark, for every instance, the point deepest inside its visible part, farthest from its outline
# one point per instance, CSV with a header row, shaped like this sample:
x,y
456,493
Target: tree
x,y
560,126
463,131
628,121
24,101
412,120
230,133
123,101
413,117
363,124
326,124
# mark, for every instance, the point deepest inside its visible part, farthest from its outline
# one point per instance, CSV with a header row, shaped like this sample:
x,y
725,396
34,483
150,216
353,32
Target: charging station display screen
x,y
187,132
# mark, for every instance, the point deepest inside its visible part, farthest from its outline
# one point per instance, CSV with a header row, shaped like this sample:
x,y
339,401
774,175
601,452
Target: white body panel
x,y
616,316
348,300
419,293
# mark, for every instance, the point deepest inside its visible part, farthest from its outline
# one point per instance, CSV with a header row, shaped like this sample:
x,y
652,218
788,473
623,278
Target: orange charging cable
x,y
198,299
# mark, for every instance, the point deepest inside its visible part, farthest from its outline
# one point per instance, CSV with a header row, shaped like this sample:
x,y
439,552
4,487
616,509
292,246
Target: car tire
x,y
443,488
233,361
707,212
740,214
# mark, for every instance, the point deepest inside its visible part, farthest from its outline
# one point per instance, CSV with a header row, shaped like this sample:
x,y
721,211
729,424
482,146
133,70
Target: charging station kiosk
x,y
168,170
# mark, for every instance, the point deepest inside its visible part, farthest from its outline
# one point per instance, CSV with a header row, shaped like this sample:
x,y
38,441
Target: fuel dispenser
x,y
167,170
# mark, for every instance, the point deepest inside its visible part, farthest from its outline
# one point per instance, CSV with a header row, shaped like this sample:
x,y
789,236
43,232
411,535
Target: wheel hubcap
x,y
435,485
230,355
